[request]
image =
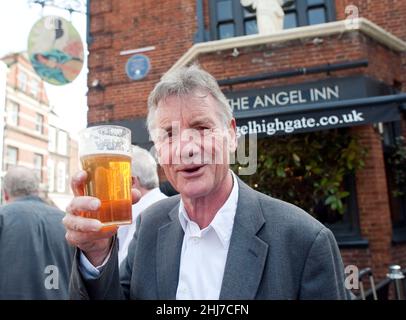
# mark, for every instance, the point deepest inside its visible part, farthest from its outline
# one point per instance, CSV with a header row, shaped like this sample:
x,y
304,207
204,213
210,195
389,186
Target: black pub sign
x,y
308,106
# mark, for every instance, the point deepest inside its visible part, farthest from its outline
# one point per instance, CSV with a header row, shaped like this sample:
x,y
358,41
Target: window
x,y
250,22
228,18
39,123
61,177
51,175
12,113
34,87
396,193
290,19
52,139
226,24
22,80
309,12
38,163
316,11
11,156
62,142
301,169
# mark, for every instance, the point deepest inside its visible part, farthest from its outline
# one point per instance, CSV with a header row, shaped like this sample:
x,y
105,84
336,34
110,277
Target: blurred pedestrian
x,y
145,179
35,258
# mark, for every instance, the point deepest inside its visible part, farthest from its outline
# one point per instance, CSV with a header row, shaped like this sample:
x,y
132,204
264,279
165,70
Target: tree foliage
x,y
307,169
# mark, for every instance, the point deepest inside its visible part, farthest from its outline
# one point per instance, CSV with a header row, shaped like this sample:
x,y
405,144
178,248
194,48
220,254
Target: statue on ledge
x,y
269,14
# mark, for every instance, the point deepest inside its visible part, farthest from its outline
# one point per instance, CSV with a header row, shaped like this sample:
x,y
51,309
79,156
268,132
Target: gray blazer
x,y
35,259
277,251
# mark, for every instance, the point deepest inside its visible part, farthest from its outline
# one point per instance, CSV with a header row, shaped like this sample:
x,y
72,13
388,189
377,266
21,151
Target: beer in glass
x,y
105,154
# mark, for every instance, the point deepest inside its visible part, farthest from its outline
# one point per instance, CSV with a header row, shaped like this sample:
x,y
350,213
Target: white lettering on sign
x,y
285,98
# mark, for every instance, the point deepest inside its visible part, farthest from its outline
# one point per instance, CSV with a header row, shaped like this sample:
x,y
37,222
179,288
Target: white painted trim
x,y
139,50
30,72
337,27
24,116
26,101
30,132
24,146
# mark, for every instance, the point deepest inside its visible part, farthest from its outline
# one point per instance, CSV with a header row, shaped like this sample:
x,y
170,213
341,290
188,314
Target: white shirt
x,y
204,252
203,256
126,233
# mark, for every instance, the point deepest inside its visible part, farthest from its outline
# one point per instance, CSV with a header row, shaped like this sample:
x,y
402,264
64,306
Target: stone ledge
x,y
326,29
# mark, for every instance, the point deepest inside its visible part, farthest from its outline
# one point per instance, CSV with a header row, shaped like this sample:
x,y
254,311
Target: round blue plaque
x,y
137,67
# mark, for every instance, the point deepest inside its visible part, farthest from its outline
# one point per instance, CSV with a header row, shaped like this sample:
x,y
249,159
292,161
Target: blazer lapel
x,y
169,246
247,253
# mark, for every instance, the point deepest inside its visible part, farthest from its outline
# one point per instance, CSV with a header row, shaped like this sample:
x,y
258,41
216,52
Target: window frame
x,y
39,127
301,10
34,89
22,85
51,175
393,130
10,114
58,143
348,231
7,162
52,139
61,178
35,157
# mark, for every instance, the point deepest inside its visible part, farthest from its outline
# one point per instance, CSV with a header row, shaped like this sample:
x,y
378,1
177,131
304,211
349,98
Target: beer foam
x,y
105,152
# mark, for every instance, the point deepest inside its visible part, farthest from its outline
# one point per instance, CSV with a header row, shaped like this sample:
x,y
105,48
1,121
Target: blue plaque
x,y
137,67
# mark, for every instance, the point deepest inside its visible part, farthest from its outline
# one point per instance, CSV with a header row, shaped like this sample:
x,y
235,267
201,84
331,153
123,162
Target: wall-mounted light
x,y
97,85
235,53
316,41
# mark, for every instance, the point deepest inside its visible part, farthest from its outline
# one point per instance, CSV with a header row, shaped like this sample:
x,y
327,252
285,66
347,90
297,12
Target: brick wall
x,y
126,25
389,14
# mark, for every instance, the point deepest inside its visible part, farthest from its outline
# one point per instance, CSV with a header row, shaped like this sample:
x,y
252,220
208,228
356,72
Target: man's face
x,y
193,143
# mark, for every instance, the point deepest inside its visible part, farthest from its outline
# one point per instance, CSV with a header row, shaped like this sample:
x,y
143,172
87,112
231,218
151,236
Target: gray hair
x,y
21,181
182,82
144,167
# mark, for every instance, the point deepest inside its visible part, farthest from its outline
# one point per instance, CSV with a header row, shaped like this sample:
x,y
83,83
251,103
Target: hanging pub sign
x,y
137,67
312,106
55,50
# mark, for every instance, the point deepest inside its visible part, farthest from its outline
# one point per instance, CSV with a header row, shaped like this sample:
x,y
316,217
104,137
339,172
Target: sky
x,y
16,21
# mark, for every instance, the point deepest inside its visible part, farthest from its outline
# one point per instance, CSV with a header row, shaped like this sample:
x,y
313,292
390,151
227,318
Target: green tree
x,y
307,169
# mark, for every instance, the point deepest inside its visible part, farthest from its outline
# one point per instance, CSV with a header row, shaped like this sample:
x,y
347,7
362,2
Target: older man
x,y
35,259
218,239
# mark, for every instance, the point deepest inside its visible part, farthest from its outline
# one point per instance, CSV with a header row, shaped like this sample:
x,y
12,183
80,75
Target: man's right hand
x,y
87,234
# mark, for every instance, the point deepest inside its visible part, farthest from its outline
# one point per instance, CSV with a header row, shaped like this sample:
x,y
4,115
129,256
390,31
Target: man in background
x,y
35,259
145,179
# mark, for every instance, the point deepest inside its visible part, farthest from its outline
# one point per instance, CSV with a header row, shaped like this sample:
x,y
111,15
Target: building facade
x,y
337,67
25,138
32,132
63,161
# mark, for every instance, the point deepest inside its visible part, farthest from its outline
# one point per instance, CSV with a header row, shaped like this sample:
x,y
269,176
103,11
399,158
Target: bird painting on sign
x,y
269,14
55,50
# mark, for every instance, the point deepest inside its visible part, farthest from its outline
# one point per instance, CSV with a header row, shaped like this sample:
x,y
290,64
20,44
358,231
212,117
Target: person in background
x,y
35,259
145,179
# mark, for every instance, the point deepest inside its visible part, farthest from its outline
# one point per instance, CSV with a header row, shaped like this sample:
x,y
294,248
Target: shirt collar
x,y
223,221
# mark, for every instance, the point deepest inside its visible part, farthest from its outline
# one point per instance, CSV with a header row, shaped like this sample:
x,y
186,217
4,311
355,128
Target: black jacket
x,y
35,259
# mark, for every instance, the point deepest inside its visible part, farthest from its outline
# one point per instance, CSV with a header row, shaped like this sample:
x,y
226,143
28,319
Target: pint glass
x,y
105,154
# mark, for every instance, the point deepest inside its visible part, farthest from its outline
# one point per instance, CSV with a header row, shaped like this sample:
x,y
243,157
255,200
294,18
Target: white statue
x,y
269,14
